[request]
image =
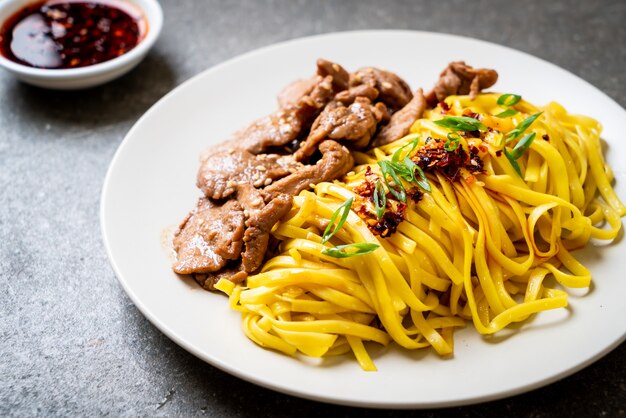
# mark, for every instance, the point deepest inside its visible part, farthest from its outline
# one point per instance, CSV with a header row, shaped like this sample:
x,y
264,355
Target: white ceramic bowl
x,y
92,75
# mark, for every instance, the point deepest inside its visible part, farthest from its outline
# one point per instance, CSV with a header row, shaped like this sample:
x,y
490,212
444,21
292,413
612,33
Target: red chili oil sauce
x,y
71,33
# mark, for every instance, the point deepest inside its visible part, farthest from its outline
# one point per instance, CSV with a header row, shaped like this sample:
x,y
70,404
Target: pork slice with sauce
x,y
460,78
209,236
260,216
400,123
349,96
221,172
356,123
335,162
232,271
300,104
294,91
394,92
258,227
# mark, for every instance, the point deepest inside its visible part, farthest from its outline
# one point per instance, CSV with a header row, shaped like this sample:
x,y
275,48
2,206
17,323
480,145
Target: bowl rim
x,y
153,14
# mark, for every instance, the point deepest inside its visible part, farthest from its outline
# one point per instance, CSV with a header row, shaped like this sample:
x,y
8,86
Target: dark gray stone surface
x,y
74,344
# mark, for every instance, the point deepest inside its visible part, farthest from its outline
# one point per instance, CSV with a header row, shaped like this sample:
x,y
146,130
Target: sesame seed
x,y
387,84
268,181
260,167
312,185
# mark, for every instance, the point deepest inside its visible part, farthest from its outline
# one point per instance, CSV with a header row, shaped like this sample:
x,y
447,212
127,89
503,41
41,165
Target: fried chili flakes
x,y
394,210
432,157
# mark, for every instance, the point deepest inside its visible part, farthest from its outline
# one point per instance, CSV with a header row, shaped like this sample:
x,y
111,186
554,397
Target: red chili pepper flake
x,y
471,114
367,187
394,210
432,157
415,194
445,108
498,153
389,222
545,137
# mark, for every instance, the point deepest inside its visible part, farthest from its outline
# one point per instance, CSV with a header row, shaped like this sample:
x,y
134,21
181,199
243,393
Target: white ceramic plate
x,y
151,186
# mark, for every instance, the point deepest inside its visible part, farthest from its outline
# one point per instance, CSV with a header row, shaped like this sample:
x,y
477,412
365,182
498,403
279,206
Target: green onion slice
x,y
523,145
398,154
389,169
523,125
344,209
513,162
509,99
361,248
453,142
421,179
380,199
461,123
507,113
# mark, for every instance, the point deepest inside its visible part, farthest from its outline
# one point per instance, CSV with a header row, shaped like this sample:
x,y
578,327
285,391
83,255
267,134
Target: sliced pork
x,y
335,162
393,91
401,121
341,78
233,271
460,78
223,171
347,97
356,123
258,227
211,235
290,95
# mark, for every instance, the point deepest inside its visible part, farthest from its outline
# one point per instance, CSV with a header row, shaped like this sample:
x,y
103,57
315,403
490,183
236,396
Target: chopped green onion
x,y
380,199
523,125
362,248
513,162
345,207
389,169
397,155
509,100
461,123
421,180
453,142
523,145
507,113
406,169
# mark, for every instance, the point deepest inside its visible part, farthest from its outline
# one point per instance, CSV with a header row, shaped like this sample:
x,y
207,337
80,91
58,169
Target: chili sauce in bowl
x,y
70,34
60,39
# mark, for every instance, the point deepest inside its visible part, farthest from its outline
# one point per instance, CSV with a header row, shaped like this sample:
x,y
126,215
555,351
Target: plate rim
x,y
225,366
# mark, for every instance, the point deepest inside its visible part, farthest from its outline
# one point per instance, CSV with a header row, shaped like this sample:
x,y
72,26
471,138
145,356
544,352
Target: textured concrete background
x,y
74,344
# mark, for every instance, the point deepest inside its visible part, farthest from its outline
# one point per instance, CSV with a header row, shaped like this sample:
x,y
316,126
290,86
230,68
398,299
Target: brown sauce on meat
x,y
70,34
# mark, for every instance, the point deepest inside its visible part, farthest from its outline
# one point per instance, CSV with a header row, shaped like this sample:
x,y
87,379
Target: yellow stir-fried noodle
x,y
478,249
